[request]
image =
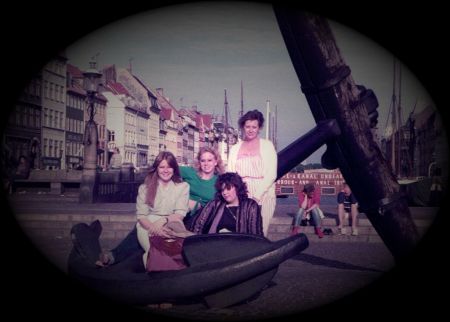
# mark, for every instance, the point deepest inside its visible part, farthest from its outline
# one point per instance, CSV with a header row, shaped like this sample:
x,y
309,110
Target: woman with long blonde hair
x,y
201,179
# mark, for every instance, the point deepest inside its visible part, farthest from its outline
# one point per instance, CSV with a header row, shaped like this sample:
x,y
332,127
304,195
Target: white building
x,y
115,115
147,117
53,114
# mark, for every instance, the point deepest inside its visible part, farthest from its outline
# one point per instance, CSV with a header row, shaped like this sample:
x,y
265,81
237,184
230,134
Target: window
x,y
46,89
328,190
45,147
38,88
23,111
56,119
38,118
29,116
287,190
45,116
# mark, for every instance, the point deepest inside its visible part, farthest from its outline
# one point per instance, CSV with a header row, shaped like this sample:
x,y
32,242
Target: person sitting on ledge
x,y
347,204
309,202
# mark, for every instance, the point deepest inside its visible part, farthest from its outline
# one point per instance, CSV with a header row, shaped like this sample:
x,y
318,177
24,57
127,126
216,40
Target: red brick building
x,y
329,181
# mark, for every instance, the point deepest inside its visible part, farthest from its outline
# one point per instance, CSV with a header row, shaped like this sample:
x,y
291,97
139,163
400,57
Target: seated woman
x,y
309,201
230,211
162,198
201,180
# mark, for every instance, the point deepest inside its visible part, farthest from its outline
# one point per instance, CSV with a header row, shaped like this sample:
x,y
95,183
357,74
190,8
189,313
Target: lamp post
x,y
87,186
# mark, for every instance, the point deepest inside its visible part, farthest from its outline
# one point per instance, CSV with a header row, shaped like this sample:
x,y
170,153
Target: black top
x,y
348,201
228,220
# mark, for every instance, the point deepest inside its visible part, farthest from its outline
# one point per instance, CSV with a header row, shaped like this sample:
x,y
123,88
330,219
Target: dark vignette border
x,y
415,34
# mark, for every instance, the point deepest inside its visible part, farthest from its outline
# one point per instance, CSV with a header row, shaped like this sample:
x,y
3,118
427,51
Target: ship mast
x,y
393,123
399,125
241,112
226,123
242,101
267,118
273,127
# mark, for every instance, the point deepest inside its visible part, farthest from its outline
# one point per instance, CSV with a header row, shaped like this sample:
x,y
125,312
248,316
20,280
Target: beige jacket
x,y
270,164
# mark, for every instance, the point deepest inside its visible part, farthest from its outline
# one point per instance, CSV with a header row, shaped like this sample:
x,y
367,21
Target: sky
x,y
195,51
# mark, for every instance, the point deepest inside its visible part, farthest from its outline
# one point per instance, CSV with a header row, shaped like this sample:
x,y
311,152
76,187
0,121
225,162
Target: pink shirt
x,y
314,200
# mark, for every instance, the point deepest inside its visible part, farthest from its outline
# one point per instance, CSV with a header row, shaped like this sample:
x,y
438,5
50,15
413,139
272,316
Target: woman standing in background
x,y
255,160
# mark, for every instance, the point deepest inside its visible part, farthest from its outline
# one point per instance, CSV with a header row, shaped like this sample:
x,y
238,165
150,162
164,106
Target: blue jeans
x,y
127,246
315,217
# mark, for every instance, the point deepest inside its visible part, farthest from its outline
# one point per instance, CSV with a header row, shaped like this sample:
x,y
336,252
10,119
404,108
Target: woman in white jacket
x,y
255,160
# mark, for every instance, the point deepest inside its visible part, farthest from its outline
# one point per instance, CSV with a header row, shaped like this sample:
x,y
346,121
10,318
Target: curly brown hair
x,y
251,116
228,180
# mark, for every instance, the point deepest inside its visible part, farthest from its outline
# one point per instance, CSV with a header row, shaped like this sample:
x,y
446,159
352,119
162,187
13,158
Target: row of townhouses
x,y
48,122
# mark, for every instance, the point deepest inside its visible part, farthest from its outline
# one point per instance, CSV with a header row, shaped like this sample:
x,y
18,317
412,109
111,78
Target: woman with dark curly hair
x,y
230,211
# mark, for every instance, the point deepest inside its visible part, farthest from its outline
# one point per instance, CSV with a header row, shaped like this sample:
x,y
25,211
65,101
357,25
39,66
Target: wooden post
x,y
332,94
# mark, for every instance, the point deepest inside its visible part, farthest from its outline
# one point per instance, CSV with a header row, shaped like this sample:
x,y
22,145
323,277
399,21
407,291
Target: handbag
x,y
165,254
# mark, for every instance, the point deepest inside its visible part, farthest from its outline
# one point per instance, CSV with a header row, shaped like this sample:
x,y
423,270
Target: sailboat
x,y
400,146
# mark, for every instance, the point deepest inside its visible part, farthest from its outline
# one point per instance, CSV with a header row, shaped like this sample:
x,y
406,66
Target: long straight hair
x,y
151,181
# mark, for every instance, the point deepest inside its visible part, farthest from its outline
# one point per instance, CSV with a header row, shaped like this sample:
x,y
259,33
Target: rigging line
x,y
389,115
393,98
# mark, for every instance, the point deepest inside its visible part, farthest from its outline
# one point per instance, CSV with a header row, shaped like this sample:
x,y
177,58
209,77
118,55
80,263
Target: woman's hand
x,y
158,228
191,204
175,217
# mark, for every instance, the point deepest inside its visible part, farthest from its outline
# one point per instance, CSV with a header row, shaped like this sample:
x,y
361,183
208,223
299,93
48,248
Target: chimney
x,y
160,91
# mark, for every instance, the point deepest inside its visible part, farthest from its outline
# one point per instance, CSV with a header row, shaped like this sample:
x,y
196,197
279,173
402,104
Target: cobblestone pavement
x,y
323,273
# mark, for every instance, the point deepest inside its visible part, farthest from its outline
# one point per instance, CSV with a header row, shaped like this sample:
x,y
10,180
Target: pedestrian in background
x,y
347,207
116,160
309,209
